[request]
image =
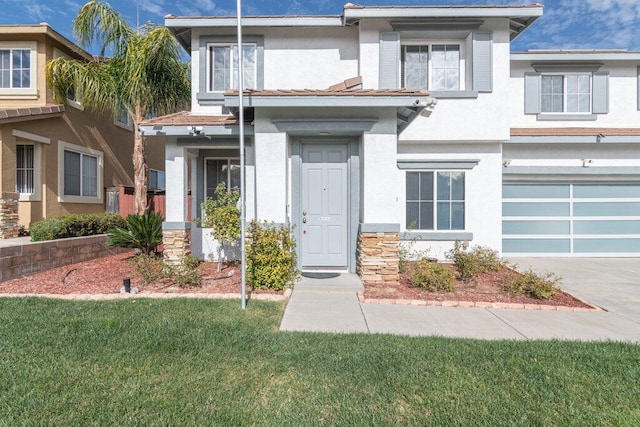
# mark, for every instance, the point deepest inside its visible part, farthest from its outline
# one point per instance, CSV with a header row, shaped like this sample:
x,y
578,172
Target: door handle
x,y
304,220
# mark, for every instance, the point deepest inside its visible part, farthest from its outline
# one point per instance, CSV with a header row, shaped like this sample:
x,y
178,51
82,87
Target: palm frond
x,y
98,22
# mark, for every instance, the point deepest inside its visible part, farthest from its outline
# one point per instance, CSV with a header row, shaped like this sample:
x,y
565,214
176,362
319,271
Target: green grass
x,y
205,362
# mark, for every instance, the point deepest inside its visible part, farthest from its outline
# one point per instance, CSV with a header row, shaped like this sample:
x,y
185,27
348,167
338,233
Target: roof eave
x,y
231,101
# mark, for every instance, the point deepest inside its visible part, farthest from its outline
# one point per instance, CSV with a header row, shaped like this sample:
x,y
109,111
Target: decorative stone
x,y
378,257
177,245
9,227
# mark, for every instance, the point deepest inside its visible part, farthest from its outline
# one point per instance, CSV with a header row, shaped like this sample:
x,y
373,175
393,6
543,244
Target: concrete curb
x,y
156,295
478,304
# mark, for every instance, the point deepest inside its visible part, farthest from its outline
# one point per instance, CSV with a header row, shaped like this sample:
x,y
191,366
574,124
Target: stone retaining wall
x,y
33,257
9,227
378,257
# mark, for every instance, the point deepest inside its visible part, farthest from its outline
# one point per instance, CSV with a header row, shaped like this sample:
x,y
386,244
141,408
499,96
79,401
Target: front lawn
x,y
205,362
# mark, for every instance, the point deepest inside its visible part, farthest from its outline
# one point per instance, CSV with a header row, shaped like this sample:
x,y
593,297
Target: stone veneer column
x,y
9,227
378,257
177,245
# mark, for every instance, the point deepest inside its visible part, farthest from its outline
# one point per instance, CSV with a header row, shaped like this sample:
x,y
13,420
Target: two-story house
x,y
345,140
57,158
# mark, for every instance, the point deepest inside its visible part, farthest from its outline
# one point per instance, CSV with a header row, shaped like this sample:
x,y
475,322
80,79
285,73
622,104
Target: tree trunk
x,y
140,171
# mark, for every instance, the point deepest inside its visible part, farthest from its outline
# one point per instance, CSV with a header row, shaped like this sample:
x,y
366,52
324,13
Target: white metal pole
x,y
243,226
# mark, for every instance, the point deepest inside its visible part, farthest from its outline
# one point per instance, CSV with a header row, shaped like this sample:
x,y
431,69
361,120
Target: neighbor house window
x,y
15,68
570,93
221,170
156,180
122,117
81,171
431,66
435,200
223,70
25,169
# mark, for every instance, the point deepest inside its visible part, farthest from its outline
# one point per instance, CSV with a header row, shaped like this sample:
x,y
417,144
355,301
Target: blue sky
x,y
566,24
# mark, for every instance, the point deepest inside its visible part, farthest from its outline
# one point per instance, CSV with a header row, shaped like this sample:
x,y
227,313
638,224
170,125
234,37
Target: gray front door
x,y
324,209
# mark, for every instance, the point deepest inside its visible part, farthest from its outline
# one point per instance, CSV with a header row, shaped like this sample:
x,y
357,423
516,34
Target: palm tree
x,y
144,75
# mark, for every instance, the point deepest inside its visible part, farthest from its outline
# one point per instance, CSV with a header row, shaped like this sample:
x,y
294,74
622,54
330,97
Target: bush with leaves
x,y
478,259
75,225
271,256
222,215
534,285
150,267
143,232
186,273
432,276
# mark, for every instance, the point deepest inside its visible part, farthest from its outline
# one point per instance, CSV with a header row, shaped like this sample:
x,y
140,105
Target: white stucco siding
x,y
483,190
271,182
623,98
370,50
176,160
379,179
309,58
571,155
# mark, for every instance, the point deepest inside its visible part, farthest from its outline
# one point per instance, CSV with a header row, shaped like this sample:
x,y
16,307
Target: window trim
x,y
30,92
27,138
462,64
209,61
99,155
126,126
435,230
204,181
205,97
564,111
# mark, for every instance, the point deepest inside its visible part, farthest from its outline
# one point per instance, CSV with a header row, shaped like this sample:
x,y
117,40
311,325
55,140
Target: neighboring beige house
x,y
59,159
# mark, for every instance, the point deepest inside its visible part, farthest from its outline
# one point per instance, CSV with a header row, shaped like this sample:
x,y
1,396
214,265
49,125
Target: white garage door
x,y
563,219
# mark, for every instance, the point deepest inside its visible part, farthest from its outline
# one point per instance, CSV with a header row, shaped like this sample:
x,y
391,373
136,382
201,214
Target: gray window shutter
x,y
638,88
532,93
600,93
389,60
482,61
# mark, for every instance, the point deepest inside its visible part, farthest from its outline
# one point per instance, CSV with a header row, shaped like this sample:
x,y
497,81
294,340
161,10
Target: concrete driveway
x,y
610,283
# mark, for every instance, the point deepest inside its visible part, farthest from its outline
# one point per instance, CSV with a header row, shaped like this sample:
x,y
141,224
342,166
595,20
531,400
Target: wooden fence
x,y
120,200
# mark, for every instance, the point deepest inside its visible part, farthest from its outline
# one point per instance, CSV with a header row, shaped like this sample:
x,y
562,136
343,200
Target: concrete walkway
x,y
331,305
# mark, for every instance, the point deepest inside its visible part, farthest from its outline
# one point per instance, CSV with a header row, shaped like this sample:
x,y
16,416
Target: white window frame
x,y
462,62
128,124
99,155
27,138
30,92
435,201
564,92
75,101
209,67
158,173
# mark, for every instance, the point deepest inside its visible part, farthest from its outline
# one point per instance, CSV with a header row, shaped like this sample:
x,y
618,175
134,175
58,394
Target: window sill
x,y
568,117
437,236
453,94
29,197
80,199
128,127
210,98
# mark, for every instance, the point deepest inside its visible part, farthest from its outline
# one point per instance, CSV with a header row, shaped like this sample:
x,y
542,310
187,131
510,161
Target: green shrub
x,y
143,232
534,285
271,256
150,267
432,276
407,254
186,274
222,215
75,225
478,259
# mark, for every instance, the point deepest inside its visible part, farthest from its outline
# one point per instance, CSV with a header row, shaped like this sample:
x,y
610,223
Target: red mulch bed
x,y
486,287
104,276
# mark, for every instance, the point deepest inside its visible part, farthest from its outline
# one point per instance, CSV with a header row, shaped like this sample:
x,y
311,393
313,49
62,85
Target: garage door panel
x,y
536,227
603,191
536,246
606,227
606,209
535,209
594,246
535,191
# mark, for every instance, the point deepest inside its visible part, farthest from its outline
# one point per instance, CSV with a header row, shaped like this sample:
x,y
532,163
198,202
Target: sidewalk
x,y
331,305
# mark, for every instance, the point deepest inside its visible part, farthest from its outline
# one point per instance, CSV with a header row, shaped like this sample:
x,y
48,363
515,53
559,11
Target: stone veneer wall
x,y
176,244
378,257
32,257
9,227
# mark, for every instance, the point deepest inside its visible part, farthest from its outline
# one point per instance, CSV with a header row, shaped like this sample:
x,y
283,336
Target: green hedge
x,y
76,225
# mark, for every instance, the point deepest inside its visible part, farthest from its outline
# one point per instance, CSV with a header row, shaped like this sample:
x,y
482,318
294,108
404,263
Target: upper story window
x,y
17,68
431,66
223,66
570,93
